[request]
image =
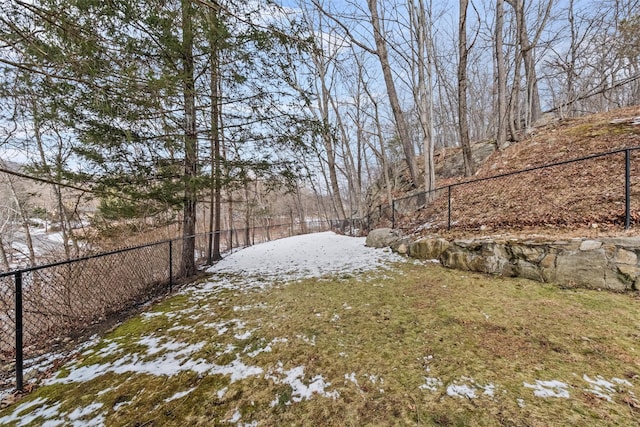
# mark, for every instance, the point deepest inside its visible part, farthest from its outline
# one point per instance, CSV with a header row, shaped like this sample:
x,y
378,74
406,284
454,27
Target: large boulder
x,y
428,248
382,237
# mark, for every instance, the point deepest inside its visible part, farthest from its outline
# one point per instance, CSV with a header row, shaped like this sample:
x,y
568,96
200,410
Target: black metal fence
x,y
43,306
556,194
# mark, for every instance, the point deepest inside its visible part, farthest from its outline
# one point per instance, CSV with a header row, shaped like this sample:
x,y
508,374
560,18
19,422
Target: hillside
x,y
587,196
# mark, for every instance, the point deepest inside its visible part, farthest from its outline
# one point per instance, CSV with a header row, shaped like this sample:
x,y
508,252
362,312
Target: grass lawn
x,y
413,345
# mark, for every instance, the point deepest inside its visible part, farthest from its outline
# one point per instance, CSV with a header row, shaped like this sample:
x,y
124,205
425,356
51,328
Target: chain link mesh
x,y
555,196
66,301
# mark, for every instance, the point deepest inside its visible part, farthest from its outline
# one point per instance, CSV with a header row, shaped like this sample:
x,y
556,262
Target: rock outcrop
x,y
607,263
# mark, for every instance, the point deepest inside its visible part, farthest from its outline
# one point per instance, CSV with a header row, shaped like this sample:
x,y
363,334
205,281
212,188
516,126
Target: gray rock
x,y
590,245
528,270
400,246
453,258
428,248
583,268
453,164
626,257
527,252
622,279
382,237
625,242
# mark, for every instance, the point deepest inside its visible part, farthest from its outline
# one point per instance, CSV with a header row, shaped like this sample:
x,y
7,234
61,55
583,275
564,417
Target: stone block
x,y
529,271
452,258
625,242
527,253
400,246
583,268
428,248
626,257
617,281
549,261
590,245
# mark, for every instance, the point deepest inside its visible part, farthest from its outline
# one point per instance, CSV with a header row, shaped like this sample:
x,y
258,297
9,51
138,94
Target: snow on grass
x,y
551,388
468,387
260,267
299,390
77,415
461,390
306,256
605,389
179,395
431,384
28,412
39,412
266,349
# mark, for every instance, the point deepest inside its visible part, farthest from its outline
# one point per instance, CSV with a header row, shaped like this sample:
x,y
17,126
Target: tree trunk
x,y
216,175
398,115
501,131
463,125
425,97
533,110
188,266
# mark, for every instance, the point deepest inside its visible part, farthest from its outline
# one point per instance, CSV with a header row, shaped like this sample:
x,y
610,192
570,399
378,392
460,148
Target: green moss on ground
x,y
388,348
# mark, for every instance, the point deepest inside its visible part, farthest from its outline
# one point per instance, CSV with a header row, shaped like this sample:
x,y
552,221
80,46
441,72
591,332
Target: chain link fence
x,y
600,191
44,307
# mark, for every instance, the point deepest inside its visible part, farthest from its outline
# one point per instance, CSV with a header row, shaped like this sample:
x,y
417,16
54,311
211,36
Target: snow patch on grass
x,y
179,395
551,388
28,412
299,390
431,384
604,389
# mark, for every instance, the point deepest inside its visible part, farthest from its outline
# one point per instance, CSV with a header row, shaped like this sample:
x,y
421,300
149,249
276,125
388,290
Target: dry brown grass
x,y
583,195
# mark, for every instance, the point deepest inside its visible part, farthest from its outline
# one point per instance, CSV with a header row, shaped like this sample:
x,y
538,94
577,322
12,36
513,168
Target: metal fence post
x,y
393,214
19,332
170,266
627,189
449,208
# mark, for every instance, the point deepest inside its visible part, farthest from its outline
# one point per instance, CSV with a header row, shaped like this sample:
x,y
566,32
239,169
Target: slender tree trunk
x,y
533,109
327,137
216,190
463,125
515,123
300,209
501,131
398,115
3,255
247,215
57,191
425,97
188,266
25,221
380,137
349,162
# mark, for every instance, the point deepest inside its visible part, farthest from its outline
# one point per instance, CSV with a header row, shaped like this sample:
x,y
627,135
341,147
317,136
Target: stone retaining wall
x,y
606,263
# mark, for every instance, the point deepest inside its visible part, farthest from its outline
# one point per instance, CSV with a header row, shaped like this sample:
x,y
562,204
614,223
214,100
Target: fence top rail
x,y
531,169
84,258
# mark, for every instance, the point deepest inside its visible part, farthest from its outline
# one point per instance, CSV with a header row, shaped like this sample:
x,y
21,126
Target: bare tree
x,y
463,125
401,122
501,130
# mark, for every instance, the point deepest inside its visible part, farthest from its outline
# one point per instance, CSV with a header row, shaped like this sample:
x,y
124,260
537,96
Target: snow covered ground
x,y
306,256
